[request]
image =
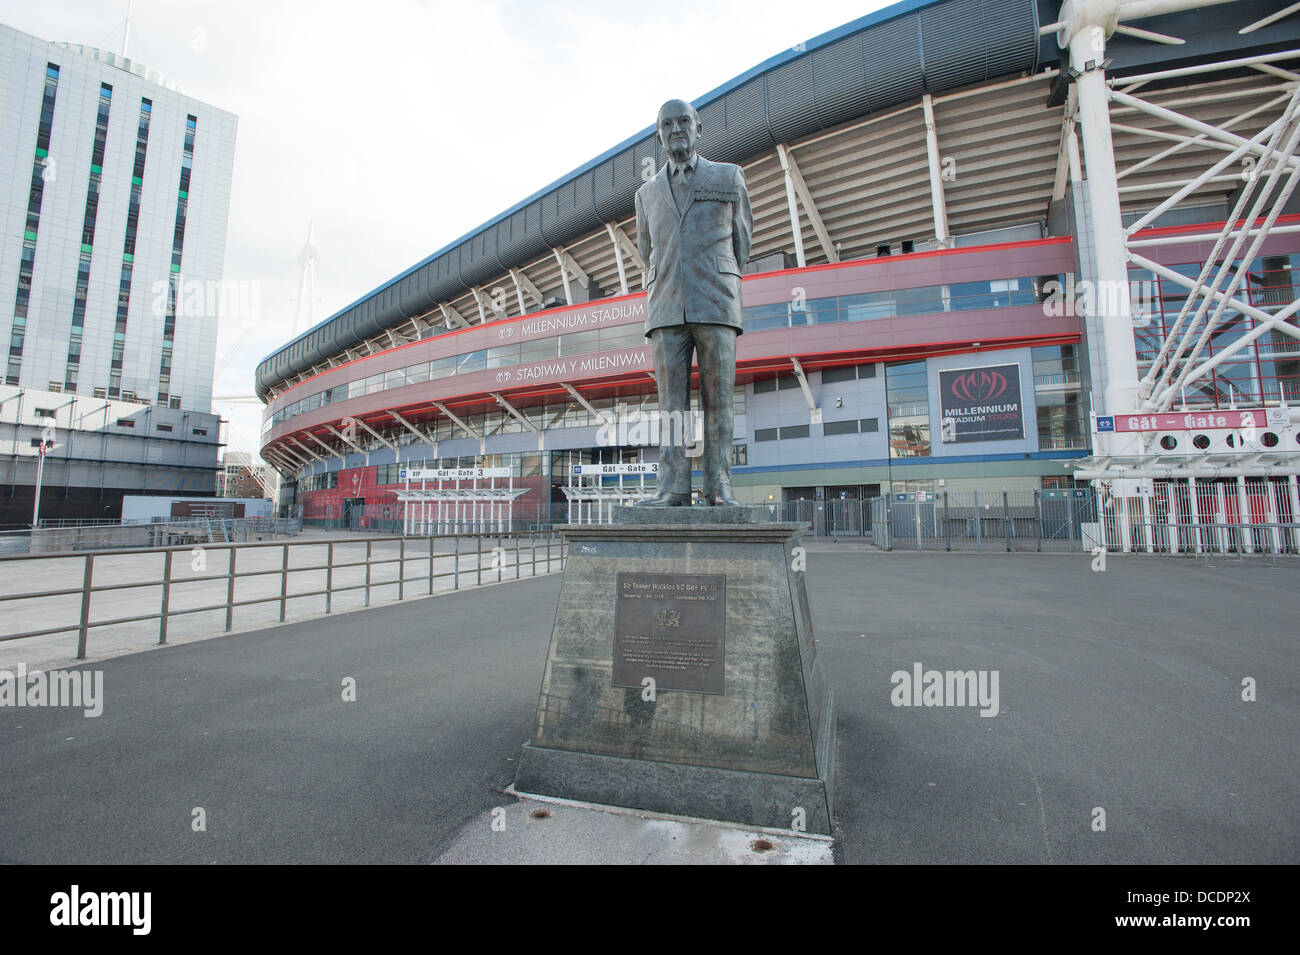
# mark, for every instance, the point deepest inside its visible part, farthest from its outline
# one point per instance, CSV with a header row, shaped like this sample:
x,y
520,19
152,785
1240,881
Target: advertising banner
x,y
981,404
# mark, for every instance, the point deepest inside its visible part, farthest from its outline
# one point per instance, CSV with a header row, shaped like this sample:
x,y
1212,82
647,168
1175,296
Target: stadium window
x,y
794,431
767,384
765,434
840,427
869,425
831,375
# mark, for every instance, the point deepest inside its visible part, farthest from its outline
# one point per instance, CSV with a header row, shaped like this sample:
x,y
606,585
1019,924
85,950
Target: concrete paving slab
x,y
540,830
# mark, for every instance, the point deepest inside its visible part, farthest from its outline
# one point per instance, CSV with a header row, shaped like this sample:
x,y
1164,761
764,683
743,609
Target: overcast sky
x,y
397,126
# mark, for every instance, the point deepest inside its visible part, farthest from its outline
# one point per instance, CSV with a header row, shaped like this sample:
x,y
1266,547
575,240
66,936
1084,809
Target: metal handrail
x,y
167,582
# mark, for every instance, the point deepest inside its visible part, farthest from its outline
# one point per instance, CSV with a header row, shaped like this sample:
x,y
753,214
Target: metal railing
x,y
545,550
1071,520
1214,539
114,535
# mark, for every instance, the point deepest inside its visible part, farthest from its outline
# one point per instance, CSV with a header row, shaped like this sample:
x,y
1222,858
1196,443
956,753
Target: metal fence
x,y
970,521
103,536
1253,518
463,560
1244,517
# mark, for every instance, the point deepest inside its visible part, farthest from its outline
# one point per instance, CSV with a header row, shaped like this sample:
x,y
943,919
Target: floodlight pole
x,y
1090,23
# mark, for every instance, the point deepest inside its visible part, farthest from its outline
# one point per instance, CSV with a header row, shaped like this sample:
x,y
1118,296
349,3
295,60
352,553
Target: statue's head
x,y
679,128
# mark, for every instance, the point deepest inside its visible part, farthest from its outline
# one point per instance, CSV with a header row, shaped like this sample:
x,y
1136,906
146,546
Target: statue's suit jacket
x,y
693,259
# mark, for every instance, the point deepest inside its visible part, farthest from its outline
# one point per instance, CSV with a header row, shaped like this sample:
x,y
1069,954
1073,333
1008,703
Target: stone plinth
x,y
719,607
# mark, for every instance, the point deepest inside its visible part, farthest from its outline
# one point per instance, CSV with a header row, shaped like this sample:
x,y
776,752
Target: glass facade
x,y
1266,370
1058,394
128,250
901,303
907,395
174,277
87,239
606,339
40,170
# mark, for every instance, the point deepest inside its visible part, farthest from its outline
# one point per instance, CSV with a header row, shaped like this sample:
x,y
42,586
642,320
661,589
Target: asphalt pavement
x,y
1118,691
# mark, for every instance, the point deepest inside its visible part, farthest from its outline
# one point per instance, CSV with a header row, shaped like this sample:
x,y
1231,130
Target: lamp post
x,y
42,448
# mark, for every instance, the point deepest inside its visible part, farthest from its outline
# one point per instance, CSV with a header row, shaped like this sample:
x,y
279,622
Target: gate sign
x,y
585,469
451,474
1192,420
981,404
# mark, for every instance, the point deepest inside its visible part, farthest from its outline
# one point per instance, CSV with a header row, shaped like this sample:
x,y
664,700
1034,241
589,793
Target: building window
x,y
128,248
73,363
41,170
765,434
1058,396
840,427
832,375
794,431
907,396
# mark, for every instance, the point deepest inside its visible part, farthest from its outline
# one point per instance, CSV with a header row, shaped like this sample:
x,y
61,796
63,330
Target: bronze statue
x,y
693,230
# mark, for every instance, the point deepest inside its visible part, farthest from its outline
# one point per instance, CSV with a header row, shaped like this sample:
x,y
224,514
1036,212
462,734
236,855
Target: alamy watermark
x,y
923,687
665,429
75,907
1085,297
206,299
73,688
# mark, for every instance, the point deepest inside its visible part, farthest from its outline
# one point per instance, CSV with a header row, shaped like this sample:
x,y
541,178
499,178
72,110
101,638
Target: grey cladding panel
x,y
602,184
648,148
892,63
576,214
841,82
1010,37
790,99
551,230
747,131
478,260
525,236
713,123
948,53
445,281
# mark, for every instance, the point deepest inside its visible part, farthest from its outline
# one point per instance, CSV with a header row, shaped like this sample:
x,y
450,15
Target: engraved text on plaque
x,y
671,627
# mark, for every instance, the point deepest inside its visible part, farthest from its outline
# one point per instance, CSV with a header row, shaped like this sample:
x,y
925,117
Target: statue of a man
x,y
693,230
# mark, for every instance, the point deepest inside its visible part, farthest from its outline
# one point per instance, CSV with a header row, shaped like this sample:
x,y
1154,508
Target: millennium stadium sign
x,y
981,404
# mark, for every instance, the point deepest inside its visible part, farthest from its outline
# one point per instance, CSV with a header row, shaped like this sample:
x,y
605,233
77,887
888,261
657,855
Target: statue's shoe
x,y
723,497
665,499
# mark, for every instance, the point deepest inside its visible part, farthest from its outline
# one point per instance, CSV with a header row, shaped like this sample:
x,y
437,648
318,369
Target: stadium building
x,y
114,196
998,244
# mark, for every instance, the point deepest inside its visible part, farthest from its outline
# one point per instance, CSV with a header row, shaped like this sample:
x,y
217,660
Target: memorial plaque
x,y
671,627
